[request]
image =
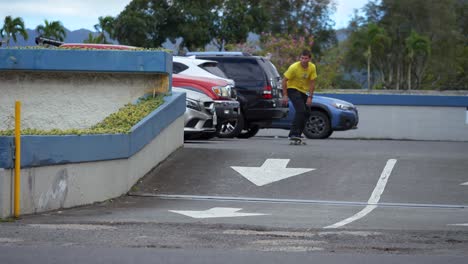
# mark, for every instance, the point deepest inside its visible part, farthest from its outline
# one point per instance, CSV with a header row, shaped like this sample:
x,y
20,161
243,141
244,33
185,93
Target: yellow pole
x,y
17,158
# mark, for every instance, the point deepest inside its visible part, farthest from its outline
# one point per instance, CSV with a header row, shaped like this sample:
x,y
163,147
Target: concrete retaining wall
x,y
60,186
76,89
66,100
414,117
66,89
409,122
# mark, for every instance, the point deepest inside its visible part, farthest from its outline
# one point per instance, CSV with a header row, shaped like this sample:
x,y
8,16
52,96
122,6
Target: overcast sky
x,y
77,14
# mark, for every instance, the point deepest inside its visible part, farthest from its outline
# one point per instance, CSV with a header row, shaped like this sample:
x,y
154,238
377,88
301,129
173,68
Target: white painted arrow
x,y
466,183
215,212
272,170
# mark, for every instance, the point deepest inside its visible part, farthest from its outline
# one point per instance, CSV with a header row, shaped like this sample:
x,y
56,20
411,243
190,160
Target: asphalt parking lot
x,y
334,195
327,180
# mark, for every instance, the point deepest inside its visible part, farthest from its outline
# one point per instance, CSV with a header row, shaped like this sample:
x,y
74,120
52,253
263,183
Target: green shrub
x,y
117,123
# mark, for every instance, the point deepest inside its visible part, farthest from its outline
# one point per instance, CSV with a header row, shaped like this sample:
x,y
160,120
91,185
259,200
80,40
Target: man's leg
x,y
297,99
306,113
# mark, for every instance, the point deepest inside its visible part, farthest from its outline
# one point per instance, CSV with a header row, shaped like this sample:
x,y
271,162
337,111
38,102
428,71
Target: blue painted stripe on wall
x,y
86,60
403,100
50,150
145,130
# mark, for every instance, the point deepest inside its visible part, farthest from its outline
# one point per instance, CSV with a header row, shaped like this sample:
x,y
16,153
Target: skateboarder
x,y
299,86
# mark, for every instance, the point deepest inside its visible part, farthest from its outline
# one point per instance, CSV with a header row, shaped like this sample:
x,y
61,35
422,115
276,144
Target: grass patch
x,y
117,123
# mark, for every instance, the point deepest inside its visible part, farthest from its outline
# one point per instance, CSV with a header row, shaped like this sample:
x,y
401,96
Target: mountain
x,y
76,36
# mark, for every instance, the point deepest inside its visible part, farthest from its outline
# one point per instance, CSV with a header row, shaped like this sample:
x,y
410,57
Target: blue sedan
x,y
327,115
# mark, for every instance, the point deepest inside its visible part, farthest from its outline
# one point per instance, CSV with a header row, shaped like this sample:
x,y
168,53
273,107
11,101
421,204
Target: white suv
x,y
197,67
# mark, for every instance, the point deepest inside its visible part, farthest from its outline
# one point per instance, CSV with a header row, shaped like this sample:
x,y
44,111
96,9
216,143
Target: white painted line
x,y
466,183
288,201
458,224
374,199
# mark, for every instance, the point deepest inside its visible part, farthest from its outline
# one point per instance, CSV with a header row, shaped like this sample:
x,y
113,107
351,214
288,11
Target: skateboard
x,y
296,141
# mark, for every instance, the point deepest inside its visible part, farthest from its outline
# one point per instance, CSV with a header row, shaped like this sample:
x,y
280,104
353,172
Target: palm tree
x,y
54,30
106,25
372,38
416,45
95,39
11,28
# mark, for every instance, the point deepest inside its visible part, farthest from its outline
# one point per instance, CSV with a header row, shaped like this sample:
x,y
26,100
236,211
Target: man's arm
x,y
311,92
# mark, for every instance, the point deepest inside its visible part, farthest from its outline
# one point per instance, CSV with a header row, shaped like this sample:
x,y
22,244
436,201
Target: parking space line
x,y
375,196
289,201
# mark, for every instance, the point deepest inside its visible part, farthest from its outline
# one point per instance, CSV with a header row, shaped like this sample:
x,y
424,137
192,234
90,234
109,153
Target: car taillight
x,y
267,92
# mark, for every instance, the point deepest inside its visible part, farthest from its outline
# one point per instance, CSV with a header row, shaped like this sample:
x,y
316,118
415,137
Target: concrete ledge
x,y
436,123
403,100
52,150
61,186
86,60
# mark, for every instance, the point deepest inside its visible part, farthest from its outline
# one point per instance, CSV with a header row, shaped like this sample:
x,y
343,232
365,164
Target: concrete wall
x,y
437,116
409,122
66,89
66,100
76,89
60,186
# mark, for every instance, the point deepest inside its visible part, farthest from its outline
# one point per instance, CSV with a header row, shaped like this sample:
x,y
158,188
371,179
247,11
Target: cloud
x,y
345,11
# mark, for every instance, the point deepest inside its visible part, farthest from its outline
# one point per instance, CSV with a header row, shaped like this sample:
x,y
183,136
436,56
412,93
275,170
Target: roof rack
x,y
218,53
47,41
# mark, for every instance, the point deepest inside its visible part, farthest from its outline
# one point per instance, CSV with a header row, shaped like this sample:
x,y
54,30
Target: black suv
x,y
258,87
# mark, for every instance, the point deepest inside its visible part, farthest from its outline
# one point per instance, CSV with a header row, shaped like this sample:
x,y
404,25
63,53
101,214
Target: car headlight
x,y
223,91
192,104
343,106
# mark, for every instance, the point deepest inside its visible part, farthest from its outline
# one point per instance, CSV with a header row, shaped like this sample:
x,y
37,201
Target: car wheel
x,y
317,126
249,132
230,129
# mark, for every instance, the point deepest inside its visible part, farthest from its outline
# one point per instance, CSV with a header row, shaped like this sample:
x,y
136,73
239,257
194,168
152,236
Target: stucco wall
x,y
66,100
409,122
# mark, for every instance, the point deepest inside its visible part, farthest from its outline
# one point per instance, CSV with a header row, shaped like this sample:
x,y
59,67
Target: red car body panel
x,y
202,83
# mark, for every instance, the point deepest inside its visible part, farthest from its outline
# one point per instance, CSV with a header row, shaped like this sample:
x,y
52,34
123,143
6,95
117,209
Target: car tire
x,y
249,132
317,126
230,129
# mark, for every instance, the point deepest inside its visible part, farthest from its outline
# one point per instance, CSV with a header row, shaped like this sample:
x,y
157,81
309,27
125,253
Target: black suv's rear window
x,y
212,67
242,69
178,67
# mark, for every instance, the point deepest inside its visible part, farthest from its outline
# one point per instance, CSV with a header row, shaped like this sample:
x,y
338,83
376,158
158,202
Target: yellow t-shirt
x,y
299,78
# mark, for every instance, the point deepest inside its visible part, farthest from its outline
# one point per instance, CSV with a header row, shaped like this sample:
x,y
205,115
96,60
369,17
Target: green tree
x,y
105,28
226,28
95,39
309,18
435,19
285,49
149,23
196,19
418,49
433,59
54,30
146,23
11,28
369,40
